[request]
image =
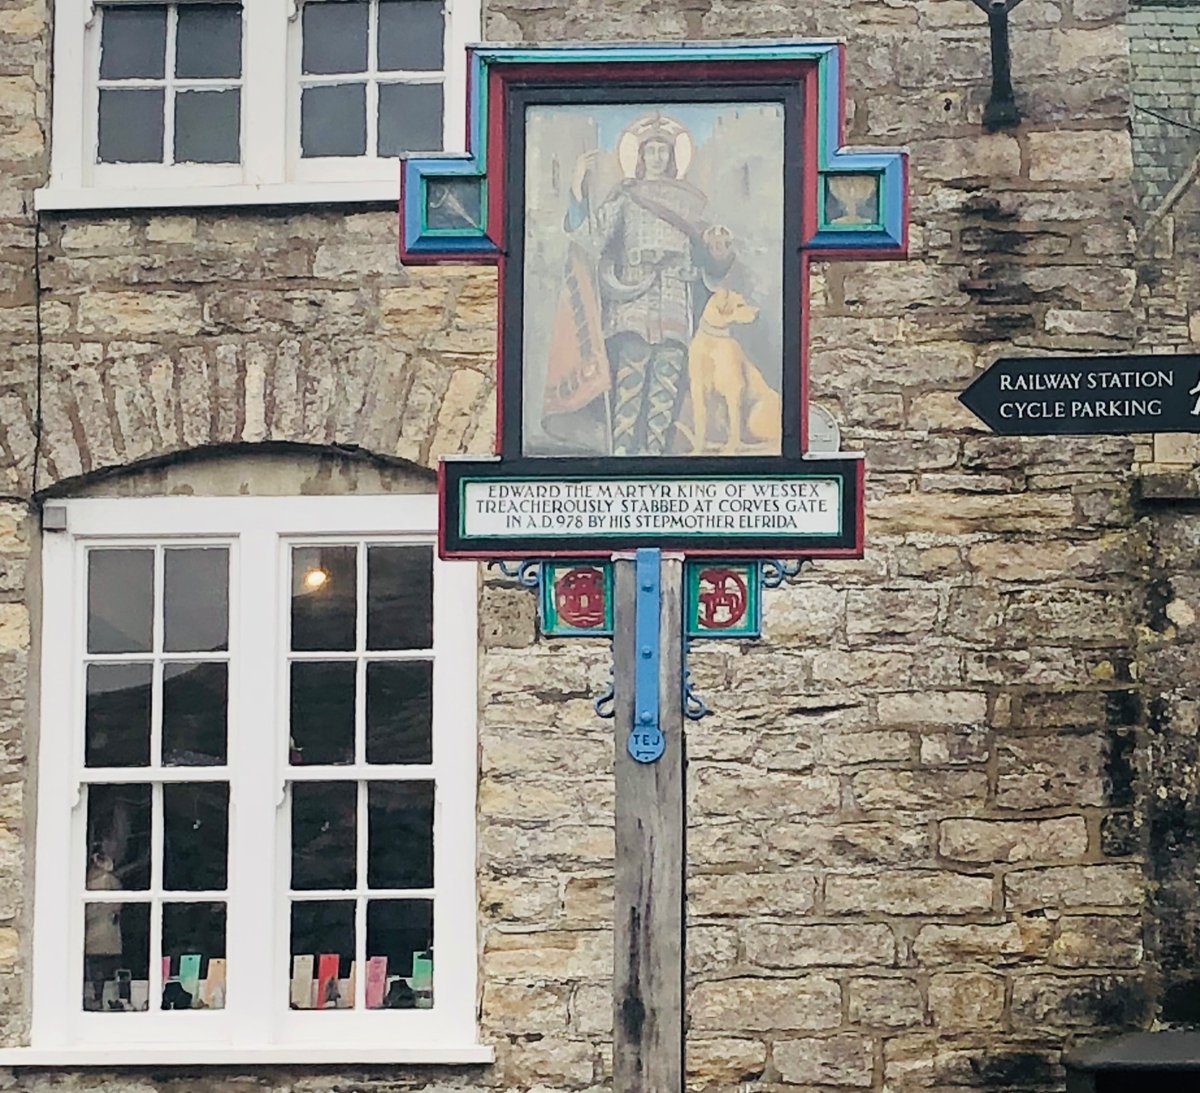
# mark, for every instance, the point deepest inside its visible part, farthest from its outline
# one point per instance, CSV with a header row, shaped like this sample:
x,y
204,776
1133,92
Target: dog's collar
x,y
715,331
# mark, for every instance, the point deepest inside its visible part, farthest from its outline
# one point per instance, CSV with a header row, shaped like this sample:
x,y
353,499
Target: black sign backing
x,y
1045,396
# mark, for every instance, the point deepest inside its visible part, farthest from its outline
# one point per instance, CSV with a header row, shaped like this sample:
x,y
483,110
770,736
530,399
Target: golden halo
x,y
654,126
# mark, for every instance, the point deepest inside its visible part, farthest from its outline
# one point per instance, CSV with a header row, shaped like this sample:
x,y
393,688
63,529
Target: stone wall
x,y
914,857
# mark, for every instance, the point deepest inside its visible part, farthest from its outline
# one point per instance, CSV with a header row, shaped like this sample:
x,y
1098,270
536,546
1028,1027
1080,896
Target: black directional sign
x,y
1041,396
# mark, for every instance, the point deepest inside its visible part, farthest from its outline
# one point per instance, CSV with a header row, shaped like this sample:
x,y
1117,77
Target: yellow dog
x,y
718,368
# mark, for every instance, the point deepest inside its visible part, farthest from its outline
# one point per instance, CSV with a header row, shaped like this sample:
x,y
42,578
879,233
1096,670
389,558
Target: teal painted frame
x,y
751,627
887,239
548,619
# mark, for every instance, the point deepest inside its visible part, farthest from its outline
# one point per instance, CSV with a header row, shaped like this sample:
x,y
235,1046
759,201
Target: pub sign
x,y
653,212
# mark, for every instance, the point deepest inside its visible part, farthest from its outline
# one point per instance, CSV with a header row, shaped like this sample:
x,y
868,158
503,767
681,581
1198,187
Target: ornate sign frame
x,y
553,494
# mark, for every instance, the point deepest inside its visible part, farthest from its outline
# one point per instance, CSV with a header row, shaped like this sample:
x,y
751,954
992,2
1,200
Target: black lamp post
x,y
1001,110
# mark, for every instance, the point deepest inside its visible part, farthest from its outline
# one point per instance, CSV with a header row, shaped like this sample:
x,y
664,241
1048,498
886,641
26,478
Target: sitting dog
x,y
718,368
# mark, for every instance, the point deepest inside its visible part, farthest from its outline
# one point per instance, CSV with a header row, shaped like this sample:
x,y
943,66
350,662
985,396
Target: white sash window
x,y
256,789
222,102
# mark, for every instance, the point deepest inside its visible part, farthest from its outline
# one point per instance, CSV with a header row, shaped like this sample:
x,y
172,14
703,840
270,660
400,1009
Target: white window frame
x,y
271,171
256,1025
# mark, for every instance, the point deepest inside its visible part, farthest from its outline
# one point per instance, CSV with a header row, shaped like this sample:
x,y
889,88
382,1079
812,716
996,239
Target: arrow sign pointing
x,y
1044,396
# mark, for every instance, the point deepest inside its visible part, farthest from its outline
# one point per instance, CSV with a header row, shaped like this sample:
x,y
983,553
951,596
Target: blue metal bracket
x,y
646,740
603,703
527,574
776,571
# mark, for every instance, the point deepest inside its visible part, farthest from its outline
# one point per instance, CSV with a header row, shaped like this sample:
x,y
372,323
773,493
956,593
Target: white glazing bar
x,y
314,895
253,925
169,95
360,904
376,772
159,640
265,37
360,646
372,89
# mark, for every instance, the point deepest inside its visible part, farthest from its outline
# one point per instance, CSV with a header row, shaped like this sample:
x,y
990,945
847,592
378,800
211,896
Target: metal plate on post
x,y
724,599
577,600
646,741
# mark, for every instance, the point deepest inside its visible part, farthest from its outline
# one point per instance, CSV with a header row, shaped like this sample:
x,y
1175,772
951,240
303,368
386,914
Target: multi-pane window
x,y
360,749
371,77
262,101
256,783
156,686
169,88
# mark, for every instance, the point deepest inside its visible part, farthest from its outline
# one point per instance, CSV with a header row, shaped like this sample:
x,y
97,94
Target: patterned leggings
x,y
647,391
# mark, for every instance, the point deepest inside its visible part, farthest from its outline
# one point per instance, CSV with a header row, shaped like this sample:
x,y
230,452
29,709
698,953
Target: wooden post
x,y
648,1005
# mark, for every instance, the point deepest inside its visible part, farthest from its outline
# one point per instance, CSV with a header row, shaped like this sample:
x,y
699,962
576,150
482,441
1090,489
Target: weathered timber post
x,y
648,1003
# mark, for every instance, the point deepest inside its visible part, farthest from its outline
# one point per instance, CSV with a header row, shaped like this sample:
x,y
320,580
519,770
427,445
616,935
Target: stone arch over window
x,y
269,469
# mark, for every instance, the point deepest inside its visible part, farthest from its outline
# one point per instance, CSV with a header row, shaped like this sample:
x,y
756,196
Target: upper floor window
x,y
255,829
205,102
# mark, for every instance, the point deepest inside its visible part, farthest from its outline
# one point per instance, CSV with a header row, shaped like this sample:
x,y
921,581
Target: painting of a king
x,y
653,279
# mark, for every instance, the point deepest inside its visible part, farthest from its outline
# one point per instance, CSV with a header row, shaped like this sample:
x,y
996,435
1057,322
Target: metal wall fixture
x,y
1001,111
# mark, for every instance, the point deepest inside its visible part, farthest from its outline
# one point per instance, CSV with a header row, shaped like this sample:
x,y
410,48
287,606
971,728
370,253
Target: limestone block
x,y
525,1006
954,514
880,611
889,289
519,898
796,615
507,617
1001,944
834,1060
571,845
905,790
1097,940
1086,156
553,1060
591,1009
966,1001
136,314
711,950
548,954
914,892
752,1005
10,948
748,793
863,668
988,156
588,901
958,747
774,946
933,708
1013,840
723,1061
1006,560
716,842
941,411
884,1002
737,895
414,310
521,754
1119,886
171,229
850,844
545,800
920,1061
1043,771
851,748
1104,324
1082,1001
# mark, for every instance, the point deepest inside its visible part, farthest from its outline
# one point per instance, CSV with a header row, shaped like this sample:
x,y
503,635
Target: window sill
x,y
174,1055
71,199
